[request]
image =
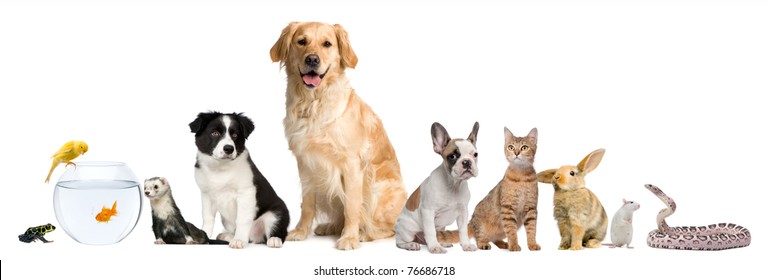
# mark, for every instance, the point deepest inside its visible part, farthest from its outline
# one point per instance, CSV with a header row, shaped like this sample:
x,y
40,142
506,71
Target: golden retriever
x,y
348,168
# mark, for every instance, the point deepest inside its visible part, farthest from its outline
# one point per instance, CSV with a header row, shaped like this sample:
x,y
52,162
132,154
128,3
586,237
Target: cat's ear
x,y
439,137
533,134
547,176
473,135
507,133
591,161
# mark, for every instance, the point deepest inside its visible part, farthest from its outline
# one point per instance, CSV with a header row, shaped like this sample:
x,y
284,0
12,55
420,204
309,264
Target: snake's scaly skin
x,y
710,238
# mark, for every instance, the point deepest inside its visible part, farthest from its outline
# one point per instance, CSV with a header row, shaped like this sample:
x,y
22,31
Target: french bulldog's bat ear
x,y
473,135
439,137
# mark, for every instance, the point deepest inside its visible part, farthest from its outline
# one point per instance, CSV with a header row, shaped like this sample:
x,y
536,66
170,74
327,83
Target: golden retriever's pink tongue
x,y
312,80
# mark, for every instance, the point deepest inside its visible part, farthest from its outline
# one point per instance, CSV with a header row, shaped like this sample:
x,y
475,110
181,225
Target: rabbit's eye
x,y
510,147
572,173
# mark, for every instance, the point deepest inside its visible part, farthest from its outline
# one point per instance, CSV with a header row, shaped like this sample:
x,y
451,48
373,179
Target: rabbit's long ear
x,y
591,161
547,176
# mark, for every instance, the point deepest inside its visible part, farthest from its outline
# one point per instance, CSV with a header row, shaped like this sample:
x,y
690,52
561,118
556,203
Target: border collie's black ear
x,y
246,124
202,120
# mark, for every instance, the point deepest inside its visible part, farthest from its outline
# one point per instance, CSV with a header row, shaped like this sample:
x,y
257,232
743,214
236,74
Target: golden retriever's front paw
x,y
297,235
348,243
237,244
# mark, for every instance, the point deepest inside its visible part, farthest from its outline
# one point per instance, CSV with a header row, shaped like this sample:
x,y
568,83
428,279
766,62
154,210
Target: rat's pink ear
x,y
624,201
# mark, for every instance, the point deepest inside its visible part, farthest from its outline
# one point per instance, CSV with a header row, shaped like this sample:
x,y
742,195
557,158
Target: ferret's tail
x,y
451,236
218,242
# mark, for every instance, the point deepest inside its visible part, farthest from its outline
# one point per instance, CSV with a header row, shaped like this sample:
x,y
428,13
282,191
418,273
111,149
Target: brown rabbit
x,y
580,216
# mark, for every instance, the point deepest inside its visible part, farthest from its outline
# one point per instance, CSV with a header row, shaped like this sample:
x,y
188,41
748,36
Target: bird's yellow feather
x,y
68,152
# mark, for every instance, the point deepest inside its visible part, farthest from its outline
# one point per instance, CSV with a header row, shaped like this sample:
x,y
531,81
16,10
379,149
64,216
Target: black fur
x,y
266,198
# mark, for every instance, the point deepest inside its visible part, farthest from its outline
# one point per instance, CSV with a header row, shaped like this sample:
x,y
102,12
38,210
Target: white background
x,y
672,90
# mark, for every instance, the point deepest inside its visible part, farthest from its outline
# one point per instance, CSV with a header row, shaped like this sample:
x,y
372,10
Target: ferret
x,y
167,223
621,231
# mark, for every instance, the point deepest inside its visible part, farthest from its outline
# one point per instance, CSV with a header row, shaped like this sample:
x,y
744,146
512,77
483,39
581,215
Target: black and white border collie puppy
x,y
230,184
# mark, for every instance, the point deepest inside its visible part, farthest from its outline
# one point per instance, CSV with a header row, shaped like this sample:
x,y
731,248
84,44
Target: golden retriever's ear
x,y
279,51
348,57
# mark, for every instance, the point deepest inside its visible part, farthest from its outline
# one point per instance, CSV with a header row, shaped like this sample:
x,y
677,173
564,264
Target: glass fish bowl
x,y
97,203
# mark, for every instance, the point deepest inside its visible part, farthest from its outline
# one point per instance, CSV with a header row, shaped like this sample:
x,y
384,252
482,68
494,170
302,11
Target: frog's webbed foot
x,y
43,240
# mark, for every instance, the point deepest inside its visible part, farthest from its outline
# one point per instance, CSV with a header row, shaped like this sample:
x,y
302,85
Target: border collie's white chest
x,y
224,180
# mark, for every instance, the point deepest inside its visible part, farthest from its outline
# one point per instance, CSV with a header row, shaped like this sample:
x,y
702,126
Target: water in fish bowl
x,y
97,212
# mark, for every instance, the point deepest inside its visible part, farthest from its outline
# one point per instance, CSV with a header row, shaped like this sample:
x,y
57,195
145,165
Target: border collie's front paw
x,y
274,242
297,235
159,242
237,244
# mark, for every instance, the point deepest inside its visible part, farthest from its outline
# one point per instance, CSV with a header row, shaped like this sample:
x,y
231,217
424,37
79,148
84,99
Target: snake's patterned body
x,y
712,237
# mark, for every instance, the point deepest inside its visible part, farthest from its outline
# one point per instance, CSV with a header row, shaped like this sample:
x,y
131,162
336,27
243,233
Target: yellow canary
x,y
71,150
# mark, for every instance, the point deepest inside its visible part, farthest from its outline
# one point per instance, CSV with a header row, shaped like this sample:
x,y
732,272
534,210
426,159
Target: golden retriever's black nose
x,y
312,60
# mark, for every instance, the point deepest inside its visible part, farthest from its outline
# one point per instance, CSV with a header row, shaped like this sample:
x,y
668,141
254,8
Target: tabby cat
x,y
513,202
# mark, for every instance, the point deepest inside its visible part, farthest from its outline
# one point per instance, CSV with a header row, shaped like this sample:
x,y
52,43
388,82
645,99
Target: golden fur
x,y
348,168
579,214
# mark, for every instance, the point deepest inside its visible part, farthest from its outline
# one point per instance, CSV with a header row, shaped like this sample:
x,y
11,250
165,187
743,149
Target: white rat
x,y
621,231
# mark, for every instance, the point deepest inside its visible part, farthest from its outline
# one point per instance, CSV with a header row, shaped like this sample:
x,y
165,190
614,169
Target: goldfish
x,y
66,154
106,214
